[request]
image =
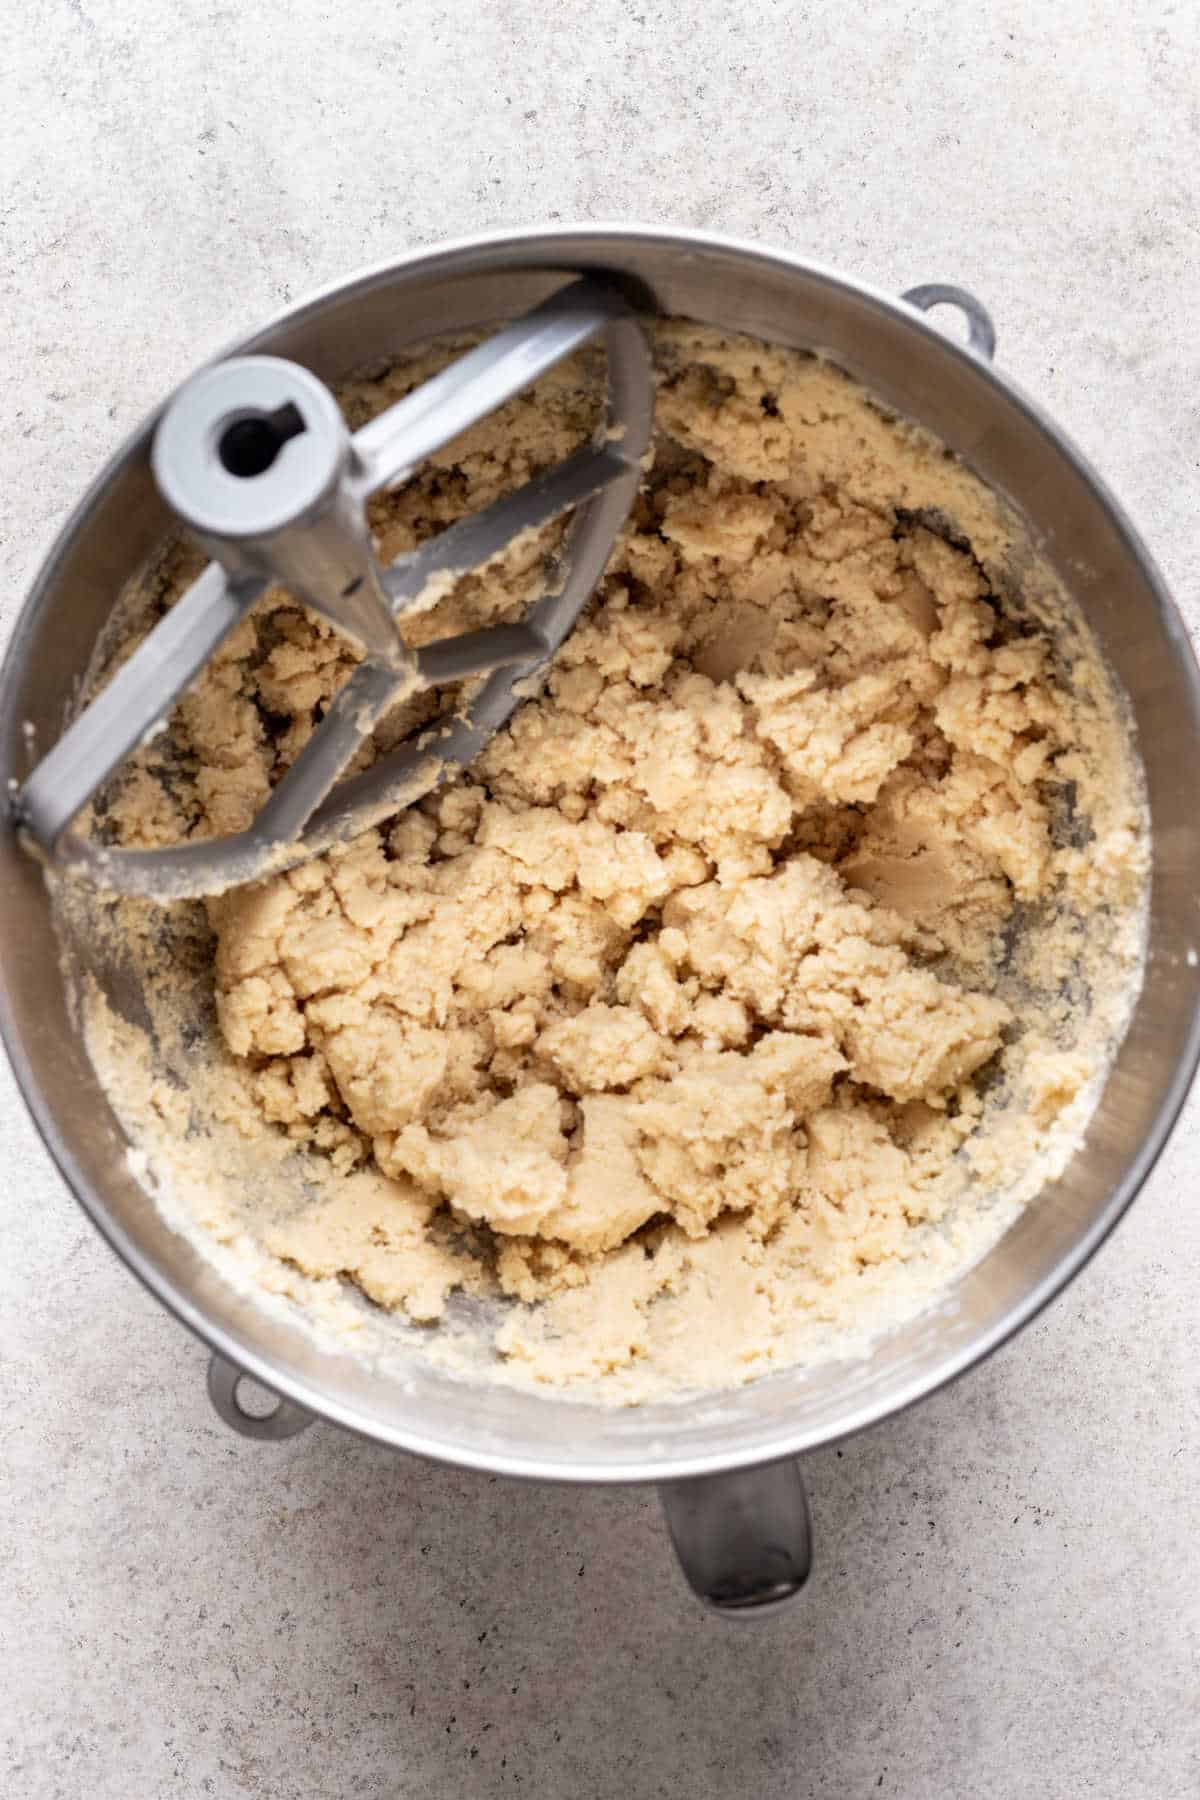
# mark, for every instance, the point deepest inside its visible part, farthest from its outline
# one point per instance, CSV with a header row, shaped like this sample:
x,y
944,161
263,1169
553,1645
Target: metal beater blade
x,y
254,458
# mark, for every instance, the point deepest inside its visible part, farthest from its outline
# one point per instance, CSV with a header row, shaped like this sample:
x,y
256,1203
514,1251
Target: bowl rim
x,y
525,248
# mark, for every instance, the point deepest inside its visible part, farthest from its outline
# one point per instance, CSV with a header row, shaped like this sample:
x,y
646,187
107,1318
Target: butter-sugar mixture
x,y
795,916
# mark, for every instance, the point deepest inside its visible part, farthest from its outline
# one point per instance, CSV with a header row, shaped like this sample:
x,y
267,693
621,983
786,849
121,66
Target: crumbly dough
x,y
667,1019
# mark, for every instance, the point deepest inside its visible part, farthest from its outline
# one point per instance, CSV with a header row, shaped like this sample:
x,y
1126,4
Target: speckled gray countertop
x,y
1008,1598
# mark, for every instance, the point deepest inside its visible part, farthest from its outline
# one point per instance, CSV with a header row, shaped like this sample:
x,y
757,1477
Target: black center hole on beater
x,y
250,444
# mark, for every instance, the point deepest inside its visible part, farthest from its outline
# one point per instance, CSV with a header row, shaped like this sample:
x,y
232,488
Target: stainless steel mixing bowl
x,y
739,1525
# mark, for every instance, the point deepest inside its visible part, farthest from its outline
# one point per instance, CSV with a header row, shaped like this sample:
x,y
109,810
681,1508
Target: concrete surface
x,y
1007,1598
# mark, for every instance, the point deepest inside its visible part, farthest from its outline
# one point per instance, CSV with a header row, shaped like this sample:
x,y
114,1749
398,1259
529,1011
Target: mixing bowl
x,y
726,1463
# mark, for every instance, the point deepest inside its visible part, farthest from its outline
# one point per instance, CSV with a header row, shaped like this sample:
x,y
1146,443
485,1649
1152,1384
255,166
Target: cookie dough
x,y
673,1019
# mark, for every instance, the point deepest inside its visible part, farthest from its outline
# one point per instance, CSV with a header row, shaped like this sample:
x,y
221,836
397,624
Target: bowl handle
x,y
224,1379
981,333
742,1538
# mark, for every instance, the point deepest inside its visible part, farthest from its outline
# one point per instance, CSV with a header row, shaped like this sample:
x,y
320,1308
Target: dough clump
x,y
682,993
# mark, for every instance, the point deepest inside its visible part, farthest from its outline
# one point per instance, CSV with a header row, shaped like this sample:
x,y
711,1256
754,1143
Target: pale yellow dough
x,y
666,1019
